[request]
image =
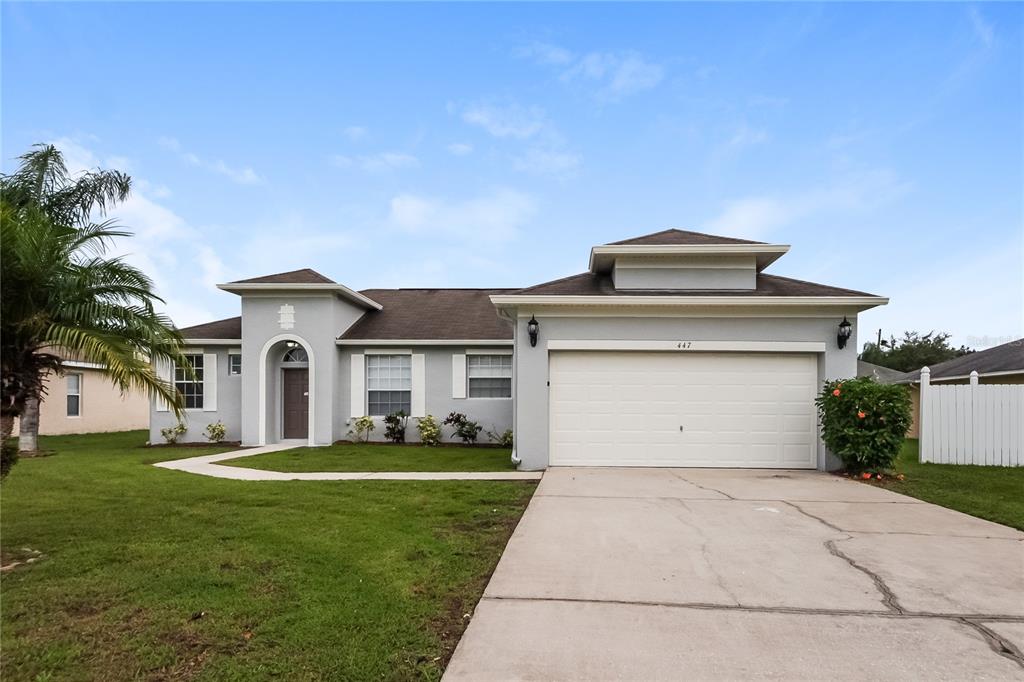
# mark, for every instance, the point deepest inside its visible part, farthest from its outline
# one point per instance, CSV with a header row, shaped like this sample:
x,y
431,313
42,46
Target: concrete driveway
x,y
648,574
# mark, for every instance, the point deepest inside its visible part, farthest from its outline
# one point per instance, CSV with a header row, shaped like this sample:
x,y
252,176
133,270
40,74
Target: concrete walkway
x,y
701,574
207,465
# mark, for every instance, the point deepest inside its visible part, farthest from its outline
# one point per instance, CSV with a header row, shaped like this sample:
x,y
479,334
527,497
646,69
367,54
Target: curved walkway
x,y
207,465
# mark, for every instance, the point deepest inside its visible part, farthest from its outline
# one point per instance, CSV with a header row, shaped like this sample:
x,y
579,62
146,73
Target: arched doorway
x,y
295,393
287,394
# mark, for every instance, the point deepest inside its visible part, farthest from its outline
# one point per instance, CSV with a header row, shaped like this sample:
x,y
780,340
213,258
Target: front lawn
x,y
993,493
380,457
146,573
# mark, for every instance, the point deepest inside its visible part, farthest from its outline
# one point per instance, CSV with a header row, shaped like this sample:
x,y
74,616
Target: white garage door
x,y
683,409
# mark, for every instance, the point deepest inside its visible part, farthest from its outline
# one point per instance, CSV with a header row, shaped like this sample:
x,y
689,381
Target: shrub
x,y
394,426
863,422
171,434
504,439
8,457
430,430
216,432
466,430
361,429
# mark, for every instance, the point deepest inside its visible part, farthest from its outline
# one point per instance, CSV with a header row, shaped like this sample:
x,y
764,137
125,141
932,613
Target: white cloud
x,y
376,163
614,74
544,54
756,216
984,31
241,175
493,217
745,136
547,162
506,120
460,149
354,133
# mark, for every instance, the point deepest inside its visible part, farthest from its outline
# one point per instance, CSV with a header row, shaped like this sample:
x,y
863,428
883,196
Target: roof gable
x,y
681,238
303,276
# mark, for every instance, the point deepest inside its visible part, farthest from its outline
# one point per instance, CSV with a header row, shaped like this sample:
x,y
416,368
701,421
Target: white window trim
x,y
233,354
488,351
79,394
174,378
388,351
414,399
495,397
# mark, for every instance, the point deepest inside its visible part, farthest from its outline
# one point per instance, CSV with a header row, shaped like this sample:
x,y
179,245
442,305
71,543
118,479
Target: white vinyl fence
x,y
971,423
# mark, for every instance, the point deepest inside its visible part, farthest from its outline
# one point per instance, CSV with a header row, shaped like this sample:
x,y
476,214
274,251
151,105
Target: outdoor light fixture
x,y
533,329
845,329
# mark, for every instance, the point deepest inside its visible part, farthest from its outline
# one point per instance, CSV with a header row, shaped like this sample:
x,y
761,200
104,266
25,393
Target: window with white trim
x,y
234,363
191,387
388,384
489,376
74,395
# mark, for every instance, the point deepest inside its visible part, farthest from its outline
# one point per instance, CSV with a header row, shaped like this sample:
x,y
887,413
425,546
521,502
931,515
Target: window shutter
x,y
418,399
458,375
209,382
358,384
164,371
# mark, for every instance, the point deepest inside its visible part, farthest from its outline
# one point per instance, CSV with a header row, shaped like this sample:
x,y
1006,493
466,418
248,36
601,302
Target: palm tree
x,y
63,296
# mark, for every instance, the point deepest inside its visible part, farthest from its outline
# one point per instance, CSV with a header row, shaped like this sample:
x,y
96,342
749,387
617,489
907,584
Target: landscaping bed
x,y
146,573
993,493
380,457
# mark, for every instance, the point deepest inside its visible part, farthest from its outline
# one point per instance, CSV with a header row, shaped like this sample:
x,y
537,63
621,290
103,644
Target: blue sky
x,y
492,145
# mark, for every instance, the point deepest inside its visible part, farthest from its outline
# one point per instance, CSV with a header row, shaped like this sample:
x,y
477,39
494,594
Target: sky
x,y
469,145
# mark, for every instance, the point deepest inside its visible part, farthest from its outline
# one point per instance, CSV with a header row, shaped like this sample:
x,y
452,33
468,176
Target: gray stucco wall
x,y
229,394
693,272
493,414
531,363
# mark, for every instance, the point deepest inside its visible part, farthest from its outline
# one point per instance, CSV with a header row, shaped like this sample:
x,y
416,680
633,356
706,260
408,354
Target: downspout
x,y
516,459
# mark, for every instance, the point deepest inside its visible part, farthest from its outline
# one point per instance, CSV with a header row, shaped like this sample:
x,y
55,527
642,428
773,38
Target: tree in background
x,y
913,351
63,296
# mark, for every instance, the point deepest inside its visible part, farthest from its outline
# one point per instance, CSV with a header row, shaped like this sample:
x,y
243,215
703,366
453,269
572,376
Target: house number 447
x,y
684,345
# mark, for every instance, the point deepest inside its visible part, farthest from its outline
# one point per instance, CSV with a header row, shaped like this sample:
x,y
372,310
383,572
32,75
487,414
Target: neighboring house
x,y
882,375
673,349
83,400
997,365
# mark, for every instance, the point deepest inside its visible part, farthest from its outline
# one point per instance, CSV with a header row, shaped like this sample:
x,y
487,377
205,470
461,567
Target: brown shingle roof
x,y
589,284
431,314
1008,357
303,276
682,237
231,328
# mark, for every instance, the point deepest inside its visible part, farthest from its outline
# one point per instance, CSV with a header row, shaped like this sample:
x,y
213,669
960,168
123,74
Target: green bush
x,y
466,430
172,433
504,438
430,430
361,429
216,432
863,422
394,426
8,456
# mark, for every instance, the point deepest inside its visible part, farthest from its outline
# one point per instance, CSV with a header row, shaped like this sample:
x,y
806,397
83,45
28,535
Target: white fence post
x,y
925,425
974,420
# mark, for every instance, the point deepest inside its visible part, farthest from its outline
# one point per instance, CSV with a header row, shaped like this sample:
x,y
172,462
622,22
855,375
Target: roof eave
x,y
423,342
602,256
851,303
266,287
211,342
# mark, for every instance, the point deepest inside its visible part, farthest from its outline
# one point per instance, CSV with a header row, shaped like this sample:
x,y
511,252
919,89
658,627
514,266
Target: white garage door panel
x,y
736,410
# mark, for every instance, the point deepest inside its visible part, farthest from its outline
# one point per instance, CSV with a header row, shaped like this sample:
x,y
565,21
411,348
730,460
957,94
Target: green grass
x,y
298,580
993,493
380,457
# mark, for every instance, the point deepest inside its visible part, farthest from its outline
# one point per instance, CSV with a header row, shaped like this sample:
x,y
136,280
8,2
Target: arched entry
x,y
287,397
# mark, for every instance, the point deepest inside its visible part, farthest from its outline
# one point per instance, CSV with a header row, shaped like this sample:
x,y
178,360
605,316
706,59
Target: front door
x,y
296,403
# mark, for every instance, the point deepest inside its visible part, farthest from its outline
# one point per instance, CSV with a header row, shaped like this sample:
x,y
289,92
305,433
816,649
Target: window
x,y
388,384
490,376
297,354
74,395
234,363
191,388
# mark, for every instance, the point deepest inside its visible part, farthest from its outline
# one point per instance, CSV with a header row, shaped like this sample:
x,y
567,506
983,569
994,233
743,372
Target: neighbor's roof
x,y
431,314
590,284
883,375
1005,359
230,328
303,276
681,238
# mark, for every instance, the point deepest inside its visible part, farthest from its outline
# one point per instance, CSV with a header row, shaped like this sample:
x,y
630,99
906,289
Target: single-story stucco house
x,y
672,349
1003,364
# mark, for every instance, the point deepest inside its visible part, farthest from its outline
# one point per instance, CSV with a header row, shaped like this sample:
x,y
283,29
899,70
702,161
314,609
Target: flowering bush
x,y
504,439
864,422
172,433
466,430
216,432
430,430
361,429
394,426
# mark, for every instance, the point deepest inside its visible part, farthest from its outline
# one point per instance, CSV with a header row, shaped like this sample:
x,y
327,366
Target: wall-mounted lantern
x,y
533,329
845,330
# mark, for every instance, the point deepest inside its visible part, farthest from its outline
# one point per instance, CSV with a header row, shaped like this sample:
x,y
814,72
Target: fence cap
x,y
925,370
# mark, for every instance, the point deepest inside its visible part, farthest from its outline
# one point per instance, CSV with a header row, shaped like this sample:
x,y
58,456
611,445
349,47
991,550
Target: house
x,y
1002,364
672,349
84,400
882,375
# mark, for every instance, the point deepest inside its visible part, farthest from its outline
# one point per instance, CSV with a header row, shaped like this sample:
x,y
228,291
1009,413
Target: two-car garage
x,y
683,409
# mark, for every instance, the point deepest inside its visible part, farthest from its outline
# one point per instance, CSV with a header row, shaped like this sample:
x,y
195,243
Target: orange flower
x,y
836,392
861,415
866,476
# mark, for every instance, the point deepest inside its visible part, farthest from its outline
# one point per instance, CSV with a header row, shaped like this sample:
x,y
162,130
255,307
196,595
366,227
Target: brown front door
x,y
296,403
